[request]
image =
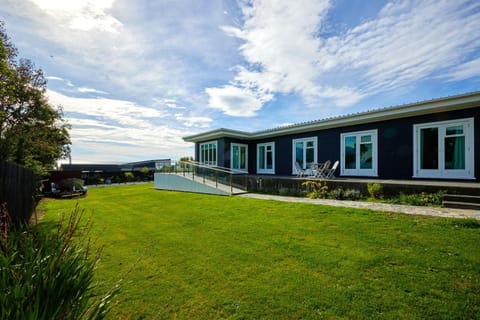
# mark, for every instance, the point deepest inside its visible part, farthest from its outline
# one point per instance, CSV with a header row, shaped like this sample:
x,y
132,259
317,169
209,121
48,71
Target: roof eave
x,y
218,133
452,103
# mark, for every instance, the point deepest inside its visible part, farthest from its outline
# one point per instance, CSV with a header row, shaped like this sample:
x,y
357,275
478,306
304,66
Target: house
x,y
92,173
435,139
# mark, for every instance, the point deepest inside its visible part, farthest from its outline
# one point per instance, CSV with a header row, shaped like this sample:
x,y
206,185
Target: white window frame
x,y
441,172
239,145
266,171
315,152
373,172
208,161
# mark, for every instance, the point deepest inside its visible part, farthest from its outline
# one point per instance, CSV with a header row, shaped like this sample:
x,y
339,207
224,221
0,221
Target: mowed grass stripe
x,y
213,257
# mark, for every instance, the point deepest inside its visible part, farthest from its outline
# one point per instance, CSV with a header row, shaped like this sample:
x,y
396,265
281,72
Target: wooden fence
x,y
17,191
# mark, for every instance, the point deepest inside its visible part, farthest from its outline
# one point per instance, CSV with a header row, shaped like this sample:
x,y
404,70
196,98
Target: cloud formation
x,y
84,15
135,76
119,126
286,53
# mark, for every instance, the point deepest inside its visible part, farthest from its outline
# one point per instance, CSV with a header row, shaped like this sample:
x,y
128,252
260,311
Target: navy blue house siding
x,y
395,140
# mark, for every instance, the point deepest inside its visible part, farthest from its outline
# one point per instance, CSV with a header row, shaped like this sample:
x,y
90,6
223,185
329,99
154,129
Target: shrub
x,y
352,194
422,199
284,192
49,276
375,190
337,194
128,176
316,189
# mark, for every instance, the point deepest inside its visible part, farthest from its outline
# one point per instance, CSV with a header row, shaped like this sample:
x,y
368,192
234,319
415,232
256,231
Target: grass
x,y
211,257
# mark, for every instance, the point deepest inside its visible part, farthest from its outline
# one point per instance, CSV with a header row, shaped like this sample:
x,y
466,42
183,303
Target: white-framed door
x,y
304,151
444,149
239,156
266,158
359,154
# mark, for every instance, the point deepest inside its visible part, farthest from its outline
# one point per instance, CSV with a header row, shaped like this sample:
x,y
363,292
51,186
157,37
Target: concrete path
x,y
414,210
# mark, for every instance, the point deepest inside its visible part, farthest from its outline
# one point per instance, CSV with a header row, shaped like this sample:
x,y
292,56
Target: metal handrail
x,y
210,173
213,168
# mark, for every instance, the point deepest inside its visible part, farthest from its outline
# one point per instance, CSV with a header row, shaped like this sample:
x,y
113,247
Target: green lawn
x,y
211,257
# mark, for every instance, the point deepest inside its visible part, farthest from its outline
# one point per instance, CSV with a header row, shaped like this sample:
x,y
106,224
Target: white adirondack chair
x,y
299,169
329,173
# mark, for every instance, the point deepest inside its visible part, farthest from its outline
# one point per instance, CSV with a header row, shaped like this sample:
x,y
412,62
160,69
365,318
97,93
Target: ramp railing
x,y
231,180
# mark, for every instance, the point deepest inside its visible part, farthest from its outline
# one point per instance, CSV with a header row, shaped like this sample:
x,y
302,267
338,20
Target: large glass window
x,y
208,153
444,149
239,157
266,157
304,152
359,153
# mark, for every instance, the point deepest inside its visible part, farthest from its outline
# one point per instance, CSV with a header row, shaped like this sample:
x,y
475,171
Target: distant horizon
x,y
133,78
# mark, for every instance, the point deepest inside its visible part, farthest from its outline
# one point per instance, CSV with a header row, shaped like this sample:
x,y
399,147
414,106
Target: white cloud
x,y
118,111
408,41
54,78
90,90
235,101
167,102
84,15
116,128
281,47
191,121
466,70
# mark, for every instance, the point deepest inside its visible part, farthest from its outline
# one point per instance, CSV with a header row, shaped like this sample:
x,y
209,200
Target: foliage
x,y
319,190
129,176
352,194
337,194
144,171
419,199
316,189
210,257
348,194
32,132
49,275
167,169
375,190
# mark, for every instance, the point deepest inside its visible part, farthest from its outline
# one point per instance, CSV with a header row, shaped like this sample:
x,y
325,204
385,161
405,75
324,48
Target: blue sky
x,y
134,77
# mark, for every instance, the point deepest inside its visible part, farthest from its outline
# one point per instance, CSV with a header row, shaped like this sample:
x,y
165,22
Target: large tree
x,y
33,133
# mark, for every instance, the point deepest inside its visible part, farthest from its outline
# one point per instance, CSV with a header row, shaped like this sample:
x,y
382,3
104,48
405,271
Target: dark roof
x,y
92,167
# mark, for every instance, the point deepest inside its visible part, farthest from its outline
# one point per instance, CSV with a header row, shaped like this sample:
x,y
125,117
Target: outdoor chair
x,y
329,173
314,169
299,169
322,168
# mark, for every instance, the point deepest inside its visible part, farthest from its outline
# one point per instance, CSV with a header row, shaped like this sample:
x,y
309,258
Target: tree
x,y
33,133
144,172
186,159
129,176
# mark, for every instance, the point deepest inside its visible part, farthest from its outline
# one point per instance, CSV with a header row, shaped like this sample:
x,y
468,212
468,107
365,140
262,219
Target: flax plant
x,y
50,276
